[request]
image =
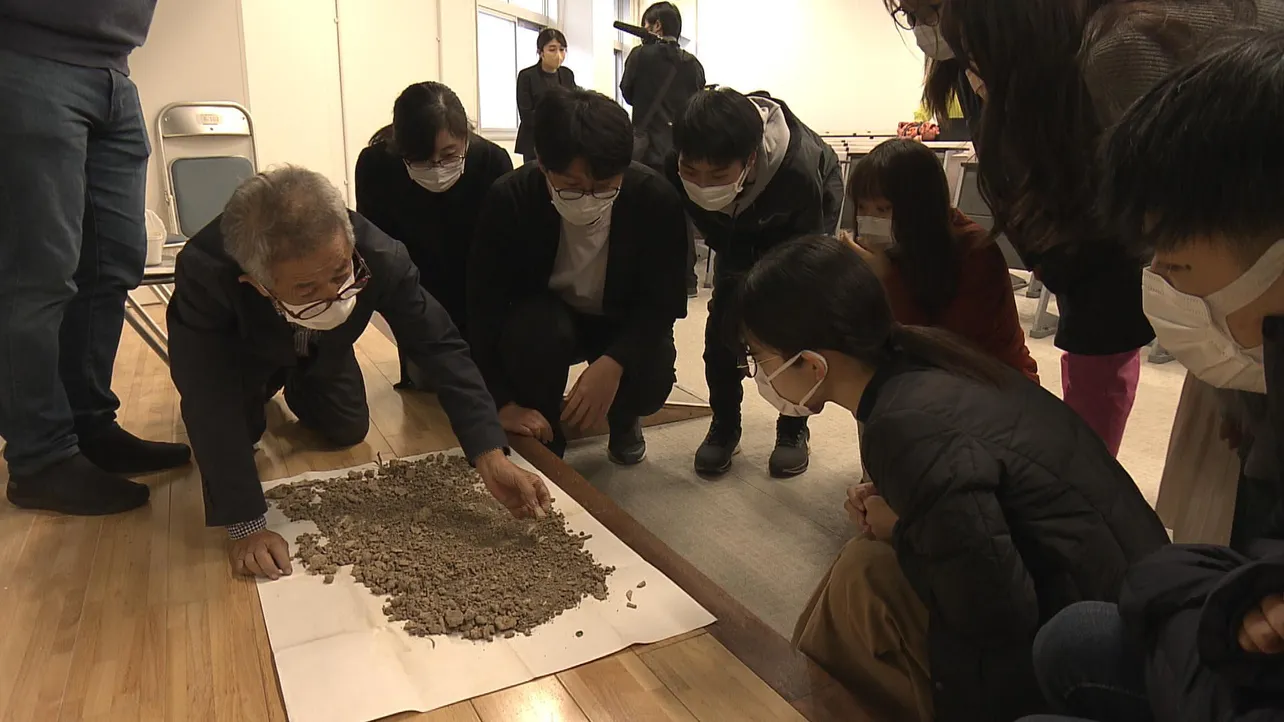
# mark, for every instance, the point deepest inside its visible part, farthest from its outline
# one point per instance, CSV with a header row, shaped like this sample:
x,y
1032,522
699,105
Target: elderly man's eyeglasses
x,y
574,194
929,15
360,279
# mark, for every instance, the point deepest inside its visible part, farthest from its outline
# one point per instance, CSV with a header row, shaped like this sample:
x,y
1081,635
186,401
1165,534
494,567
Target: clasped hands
x,y
870,512
523,493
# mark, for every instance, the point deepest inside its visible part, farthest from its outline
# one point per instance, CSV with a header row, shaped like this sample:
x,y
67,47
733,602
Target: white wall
x,y
292,62
193,52
841,65
383,47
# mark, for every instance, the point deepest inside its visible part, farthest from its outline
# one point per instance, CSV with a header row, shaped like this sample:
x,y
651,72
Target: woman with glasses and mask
x,y
947,80
422,180
579,257
994,506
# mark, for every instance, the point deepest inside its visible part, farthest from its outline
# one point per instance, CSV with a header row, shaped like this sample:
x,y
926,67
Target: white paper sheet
x,y
341,660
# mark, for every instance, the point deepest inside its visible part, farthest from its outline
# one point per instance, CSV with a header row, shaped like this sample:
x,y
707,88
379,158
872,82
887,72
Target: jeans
x,y
1088,667
73,167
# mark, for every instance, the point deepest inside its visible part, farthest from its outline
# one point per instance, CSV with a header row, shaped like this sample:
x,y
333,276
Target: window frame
x,y
519,16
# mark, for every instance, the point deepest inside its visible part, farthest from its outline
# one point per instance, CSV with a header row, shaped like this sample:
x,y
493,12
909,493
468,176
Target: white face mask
x,y
931,43
715,198
1194,330
332,317
783,405
437,179
874,233
583,211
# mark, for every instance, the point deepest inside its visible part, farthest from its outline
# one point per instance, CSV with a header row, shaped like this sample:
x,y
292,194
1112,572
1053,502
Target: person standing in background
x,y
659,79
422,180
73,173
538,79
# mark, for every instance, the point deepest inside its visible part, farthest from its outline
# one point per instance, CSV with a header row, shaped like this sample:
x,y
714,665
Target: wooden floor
x,y
136,617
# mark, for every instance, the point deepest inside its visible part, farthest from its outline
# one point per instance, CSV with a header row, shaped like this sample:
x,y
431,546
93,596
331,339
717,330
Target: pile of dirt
x,y
451,558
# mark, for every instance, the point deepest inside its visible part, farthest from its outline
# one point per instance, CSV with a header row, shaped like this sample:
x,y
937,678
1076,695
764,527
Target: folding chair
x,y
196,187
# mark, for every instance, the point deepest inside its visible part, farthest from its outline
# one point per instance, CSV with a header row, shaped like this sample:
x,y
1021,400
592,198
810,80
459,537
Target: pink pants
x,y
1101,389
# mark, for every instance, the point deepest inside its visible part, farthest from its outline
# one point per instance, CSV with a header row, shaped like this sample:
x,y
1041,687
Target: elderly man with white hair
x,y
273,294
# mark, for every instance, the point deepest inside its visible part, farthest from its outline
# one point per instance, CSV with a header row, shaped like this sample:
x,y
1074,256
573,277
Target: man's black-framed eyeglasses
x,y
360,279
930,16
574,194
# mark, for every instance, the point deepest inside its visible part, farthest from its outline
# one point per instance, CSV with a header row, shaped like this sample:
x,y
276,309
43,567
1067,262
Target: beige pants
x,y
867,627
1201,472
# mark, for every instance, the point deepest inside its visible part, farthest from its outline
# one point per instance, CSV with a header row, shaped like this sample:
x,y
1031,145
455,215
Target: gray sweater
x,y
91,33
1130,58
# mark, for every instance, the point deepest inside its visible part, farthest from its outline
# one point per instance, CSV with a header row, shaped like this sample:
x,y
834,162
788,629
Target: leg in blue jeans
x,y
1089,667
73,164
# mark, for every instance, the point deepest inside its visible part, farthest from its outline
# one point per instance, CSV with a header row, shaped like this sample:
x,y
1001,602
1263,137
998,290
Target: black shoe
x,y
117,451
713,458
693,290
75,486
792,453
627,445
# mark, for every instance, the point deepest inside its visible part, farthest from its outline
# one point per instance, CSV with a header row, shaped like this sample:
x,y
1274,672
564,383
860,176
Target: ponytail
x,y
386,136
948,352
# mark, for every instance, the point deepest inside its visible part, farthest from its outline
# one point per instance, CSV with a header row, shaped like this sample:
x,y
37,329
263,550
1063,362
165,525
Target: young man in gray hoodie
x,y
73,169
752,177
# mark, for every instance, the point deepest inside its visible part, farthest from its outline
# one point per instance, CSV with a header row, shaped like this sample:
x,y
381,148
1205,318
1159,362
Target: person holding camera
x,y
659,78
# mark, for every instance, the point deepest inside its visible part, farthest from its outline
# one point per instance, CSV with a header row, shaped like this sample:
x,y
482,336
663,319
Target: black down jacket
x,y
1186,604
1010,509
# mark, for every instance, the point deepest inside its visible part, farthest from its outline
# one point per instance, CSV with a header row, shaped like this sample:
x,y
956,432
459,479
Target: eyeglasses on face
x,y
573,194
929,15
450,161
360,279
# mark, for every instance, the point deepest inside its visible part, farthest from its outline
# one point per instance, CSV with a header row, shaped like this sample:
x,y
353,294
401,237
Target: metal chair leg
x,y
1159,355
1035,289
1045,324
152,334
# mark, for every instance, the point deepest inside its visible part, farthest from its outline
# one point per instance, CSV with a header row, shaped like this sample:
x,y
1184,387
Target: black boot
x,y
713,458
792,453
117,451
75,486
627,445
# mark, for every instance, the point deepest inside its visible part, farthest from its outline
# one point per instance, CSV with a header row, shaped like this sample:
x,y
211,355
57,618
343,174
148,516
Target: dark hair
x,y
572,124
718,125
911,178
1039,129
548,35
421,112
1201,153
816,293
667,15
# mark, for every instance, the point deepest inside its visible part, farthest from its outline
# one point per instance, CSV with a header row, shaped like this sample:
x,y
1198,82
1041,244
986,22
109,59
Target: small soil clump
x,y
451,558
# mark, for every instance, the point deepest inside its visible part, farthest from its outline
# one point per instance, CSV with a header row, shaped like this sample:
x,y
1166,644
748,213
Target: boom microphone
x,y
647,36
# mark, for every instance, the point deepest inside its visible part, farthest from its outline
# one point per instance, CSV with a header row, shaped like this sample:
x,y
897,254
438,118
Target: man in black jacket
x,y
579,257
659,78
273,294
753,176
1199,629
